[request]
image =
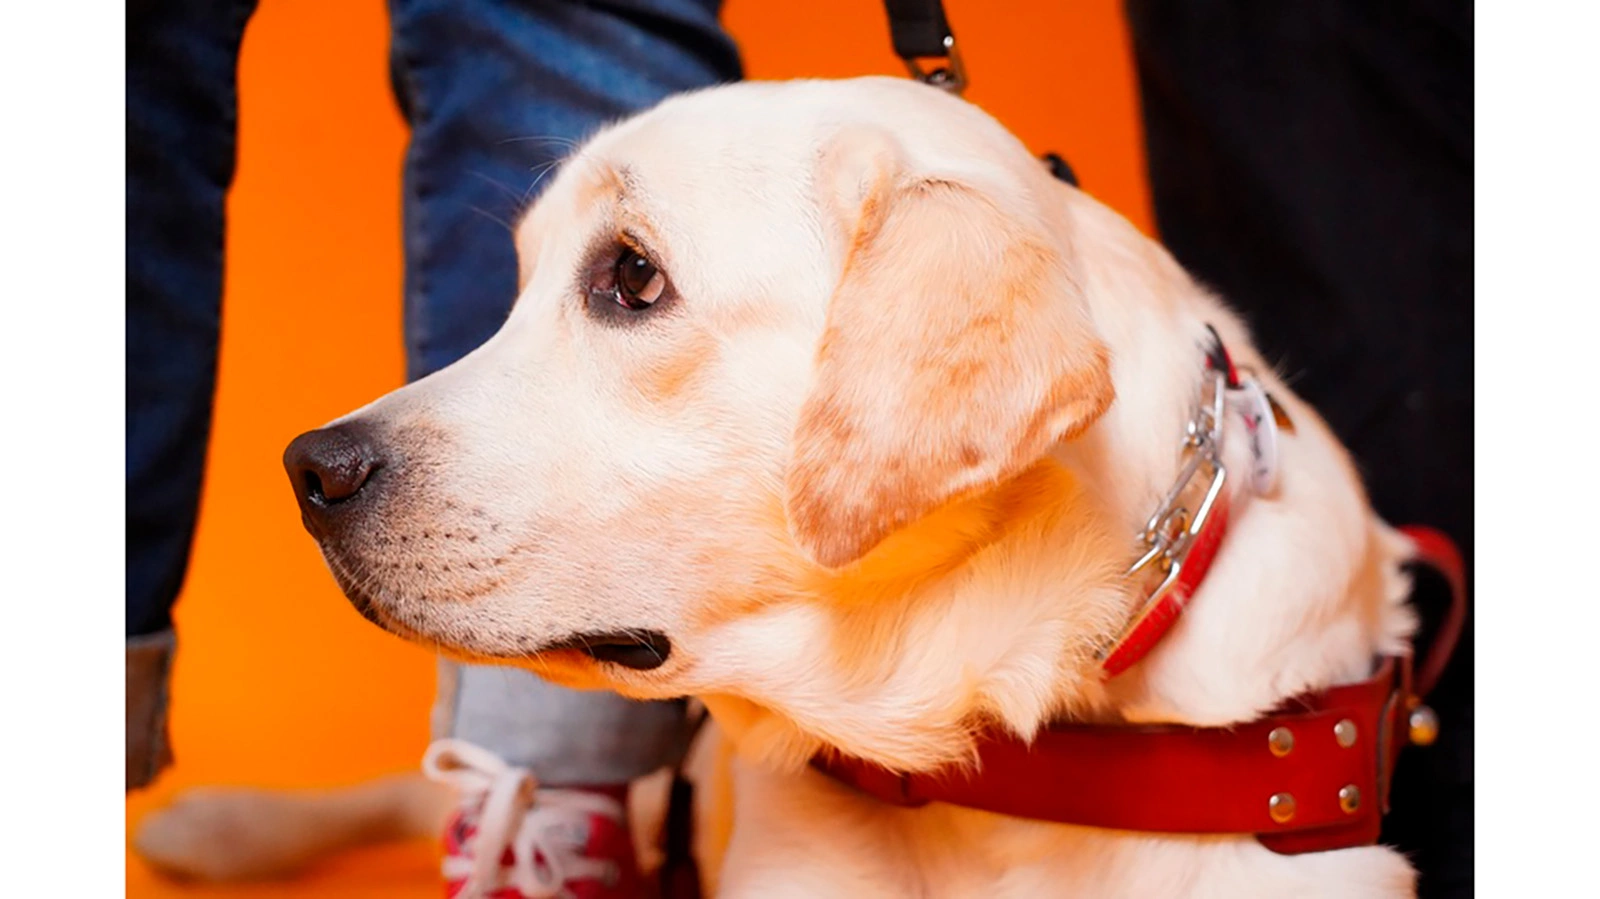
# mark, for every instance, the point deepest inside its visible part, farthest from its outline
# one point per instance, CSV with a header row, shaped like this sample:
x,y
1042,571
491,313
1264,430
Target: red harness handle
x,y
1439,552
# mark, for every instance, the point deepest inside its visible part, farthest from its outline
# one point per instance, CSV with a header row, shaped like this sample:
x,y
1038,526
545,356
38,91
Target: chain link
x,y
1172,528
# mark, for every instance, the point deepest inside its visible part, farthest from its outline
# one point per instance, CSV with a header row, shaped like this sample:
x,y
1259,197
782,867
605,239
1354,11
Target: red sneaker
x,y
512,839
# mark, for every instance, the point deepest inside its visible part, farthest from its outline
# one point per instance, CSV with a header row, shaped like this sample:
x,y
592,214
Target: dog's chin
x,y
363,601
580,660
370,606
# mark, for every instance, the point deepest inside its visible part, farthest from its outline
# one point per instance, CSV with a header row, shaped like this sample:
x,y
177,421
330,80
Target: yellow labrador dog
x,y
825,403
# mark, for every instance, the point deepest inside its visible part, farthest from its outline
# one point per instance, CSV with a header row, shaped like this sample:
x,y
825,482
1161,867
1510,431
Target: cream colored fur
x,y
875,469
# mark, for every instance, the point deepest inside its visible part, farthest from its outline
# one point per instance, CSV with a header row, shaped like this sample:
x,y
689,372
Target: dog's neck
x,y
987,610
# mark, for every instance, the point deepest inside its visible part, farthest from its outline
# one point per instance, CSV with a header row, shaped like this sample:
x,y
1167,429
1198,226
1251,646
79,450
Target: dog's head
x,y
778,350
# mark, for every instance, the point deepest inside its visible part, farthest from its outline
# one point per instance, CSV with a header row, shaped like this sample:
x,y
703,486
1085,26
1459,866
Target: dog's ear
x,y
957,351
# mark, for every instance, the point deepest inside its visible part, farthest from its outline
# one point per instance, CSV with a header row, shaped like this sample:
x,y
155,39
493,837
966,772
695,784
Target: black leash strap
x,y
920,34
917,27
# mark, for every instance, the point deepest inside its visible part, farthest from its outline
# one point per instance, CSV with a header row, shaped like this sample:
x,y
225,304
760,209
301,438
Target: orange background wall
x,y
278,682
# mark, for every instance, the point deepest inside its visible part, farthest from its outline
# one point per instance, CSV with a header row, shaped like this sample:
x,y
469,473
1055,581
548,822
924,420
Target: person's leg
x,y
567,737
182,58
496,93
1313,163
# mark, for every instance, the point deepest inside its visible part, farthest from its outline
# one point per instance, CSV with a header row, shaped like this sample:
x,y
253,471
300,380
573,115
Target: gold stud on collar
x,y
1280,741
1349,798
1345,732
1281,807
1424,726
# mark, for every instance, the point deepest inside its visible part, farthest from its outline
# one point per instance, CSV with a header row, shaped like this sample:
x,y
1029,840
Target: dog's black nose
x,y
329,469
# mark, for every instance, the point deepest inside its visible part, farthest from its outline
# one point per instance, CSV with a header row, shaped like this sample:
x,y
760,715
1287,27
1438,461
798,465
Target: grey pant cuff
x,y
149,661
566,737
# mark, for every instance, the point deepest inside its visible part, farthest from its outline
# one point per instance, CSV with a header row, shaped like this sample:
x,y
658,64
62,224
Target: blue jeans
x,y
494,91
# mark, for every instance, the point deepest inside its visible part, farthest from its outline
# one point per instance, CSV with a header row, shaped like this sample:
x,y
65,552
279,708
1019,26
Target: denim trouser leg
x,y
182,57
496,91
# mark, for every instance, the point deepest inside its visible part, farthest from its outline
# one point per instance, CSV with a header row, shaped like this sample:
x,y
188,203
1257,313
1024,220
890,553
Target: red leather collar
x,y
1312,776
1173,779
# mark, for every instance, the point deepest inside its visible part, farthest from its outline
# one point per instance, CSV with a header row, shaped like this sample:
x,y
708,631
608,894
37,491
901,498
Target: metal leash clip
x,y
948,74
921,35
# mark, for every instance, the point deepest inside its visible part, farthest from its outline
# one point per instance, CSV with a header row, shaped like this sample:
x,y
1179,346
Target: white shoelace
x,y
546,829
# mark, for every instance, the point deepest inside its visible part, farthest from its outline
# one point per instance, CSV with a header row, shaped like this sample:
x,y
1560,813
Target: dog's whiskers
x,y
539,174
494,218
643,638
499,185
567,142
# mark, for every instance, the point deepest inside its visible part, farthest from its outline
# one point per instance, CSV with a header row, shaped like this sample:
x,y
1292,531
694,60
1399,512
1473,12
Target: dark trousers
x,y
1312,162
495,91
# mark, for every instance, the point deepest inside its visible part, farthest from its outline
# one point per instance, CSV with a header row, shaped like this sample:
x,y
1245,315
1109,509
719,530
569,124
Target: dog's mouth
x,y
640,650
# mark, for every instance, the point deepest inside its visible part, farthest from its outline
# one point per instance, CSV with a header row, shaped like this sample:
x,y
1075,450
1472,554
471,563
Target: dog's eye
x,y
638,282
624,284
